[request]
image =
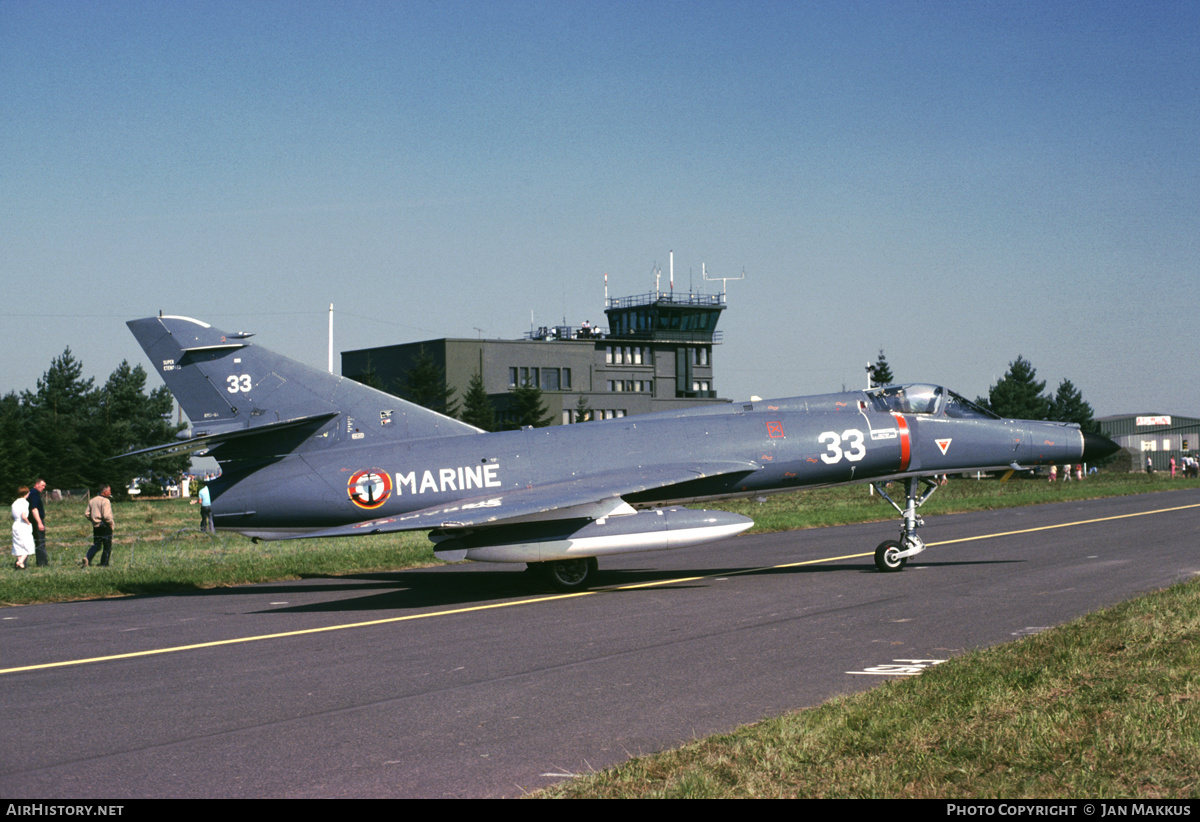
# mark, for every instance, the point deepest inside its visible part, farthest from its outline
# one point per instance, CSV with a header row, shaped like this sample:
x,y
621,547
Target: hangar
x,y
1157,436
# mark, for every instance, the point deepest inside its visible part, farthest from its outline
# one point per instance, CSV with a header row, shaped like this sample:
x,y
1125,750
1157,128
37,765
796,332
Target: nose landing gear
x,y
892,555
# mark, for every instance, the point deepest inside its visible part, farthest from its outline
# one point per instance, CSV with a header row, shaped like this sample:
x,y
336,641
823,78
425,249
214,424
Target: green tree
x,y
881,372
425,385
369,377
60,419
583,413
1068,405
74,429
477,405
130,419
527,408
1018,394
16,455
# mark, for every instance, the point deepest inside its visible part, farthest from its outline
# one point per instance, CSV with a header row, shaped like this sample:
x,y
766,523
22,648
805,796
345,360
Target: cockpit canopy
x,y
920,398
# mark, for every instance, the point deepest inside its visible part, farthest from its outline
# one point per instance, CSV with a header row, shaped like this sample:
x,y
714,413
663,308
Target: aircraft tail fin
x,y
227,384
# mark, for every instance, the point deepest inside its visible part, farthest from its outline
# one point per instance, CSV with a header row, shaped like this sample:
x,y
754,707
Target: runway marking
x,y
902,667
1068,524
283,635
551,598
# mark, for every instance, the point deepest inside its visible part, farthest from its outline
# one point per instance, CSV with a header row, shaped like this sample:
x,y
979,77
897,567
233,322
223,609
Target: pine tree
x,y
61,418
16,455
582,412
369,377
477,405
425,384
72,429
1068,405
526,408
881,372
1018,394
129,419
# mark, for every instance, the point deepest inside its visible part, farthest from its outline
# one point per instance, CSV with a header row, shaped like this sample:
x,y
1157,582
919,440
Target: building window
x,y
608,354
547,379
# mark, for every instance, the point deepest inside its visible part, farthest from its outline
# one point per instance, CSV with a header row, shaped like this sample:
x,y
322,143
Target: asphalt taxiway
x,y
470,681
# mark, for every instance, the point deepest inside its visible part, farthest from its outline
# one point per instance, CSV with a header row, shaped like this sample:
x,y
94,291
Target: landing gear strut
x,y
892,555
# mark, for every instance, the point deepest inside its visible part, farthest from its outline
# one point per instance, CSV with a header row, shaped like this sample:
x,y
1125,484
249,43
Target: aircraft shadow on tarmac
x,y
450,586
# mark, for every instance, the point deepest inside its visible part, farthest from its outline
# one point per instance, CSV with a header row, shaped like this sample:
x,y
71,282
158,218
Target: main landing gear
x,y
892,555
568,574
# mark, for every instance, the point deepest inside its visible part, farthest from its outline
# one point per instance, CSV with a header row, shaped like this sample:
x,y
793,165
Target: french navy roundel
x,y
370,489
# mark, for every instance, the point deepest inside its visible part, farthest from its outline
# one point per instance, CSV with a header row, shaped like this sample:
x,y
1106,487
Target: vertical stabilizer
x,y
226,384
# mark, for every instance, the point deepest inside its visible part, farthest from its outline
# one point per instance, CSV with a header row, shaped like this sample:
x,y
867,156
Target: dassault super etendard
x,y
309,454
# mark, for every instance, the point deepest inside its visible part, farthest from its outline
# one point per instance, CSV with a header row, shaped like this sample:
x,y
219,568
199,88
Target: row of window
x,y
547,379
570,415
631,385
662,319
627,355
638,355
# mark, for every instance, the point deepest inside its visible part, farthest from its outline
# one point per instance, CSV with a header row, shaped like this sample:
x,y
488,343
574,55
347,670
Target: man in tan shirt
x,y
99,513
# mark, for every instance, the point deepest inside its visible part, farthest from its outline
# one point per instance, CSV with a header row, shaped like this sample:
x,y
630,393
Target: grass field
x,y
159,548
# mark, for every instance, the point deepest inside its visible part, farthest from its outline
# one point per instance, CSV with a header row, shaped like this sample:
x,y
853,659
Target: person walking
x,y
22,529
99,513
37,518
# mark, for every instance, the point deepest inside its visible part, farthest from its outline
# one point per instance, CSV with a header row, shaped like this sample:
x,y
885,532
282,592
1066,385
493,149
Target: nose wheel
x,y
892,555
887,556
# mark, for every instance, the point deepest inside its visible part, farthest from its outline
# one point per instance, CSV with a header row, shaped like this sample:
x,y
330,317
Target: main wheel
x,y
886,559
571,574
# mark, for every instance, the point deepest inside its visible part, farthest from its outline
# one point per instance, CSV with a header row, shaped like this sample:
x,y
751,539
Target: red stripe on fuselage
x,y
905,447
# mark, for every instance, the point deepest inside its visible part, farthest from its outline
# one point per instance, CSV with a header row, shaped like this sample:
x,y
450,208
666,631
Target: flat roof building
x,y
655,355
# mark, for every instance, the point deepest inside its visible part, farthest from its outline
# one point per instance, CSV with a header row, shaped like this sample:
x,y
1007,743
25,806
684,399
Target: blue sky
x,y
957,183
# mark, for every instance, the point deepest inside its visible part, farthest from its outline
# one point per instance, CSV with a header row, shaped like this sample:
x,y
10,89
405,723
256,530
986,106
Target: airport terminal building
x,y
655,355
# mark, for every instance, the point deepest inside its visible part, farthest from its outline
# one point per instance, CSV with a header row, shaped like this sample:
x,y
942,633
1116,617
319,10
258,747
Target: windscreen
x,y
908,399
963,409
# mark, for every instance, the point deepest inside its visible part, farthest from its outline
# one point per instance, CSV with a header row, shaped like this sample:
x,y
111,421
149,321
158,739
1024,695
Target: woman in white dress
x,y
22,528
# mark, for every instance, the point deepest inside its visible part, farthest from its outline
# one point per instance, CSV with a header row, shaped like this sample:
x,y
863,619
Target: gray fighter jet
x,y
309,454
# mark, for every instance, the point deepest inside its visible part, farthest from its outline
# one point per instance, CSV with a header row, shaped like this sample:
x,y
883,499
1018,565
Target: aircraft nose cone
x,y
1097,447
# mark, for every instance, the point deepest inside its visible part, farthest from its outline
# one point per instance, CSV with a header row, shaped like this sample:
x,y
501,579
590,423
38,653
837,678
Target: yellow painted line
x,y
1068,524
552,598
286,634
